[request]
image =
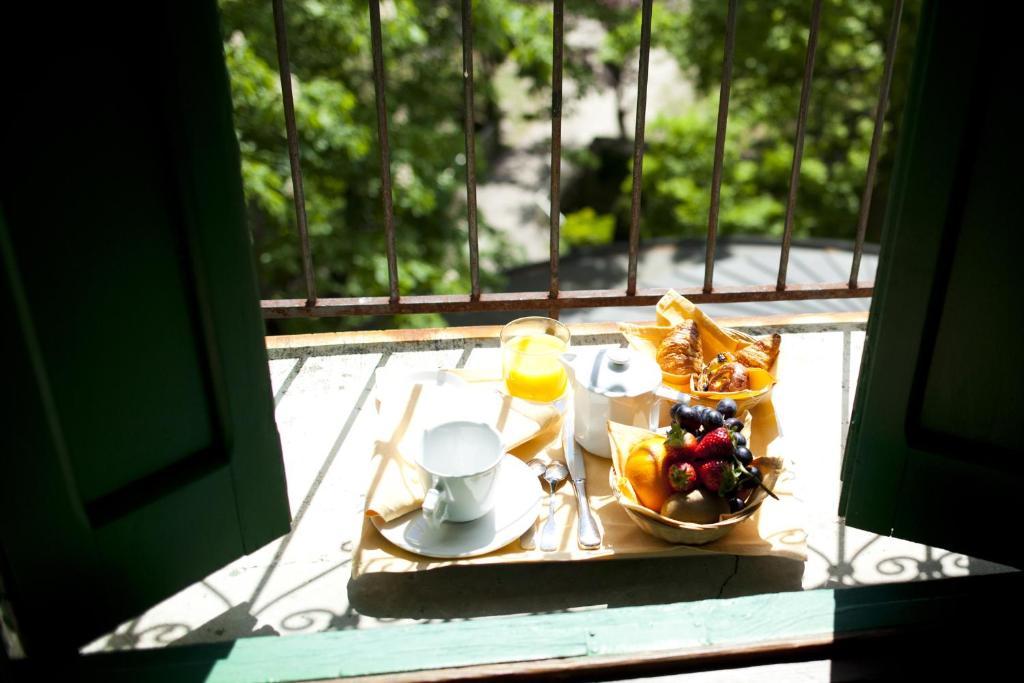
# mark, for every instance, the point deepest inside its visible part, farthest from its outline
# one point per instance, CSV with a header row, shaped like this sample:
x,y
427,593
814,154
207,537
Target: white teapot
x,y
620,385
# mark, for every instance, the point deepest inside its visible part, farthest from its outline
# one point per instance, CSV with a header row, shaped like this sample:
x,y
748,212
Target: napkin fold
x,y
397,484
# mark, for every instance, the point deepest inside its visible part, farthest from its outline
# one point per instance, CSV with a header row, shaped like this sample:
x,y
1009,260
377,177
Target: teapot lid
x,y
617,372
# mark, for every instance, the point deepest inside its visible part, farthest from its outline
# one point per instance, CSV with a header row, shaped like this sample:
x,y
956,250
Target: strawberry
x,y
680,445
717,476
680,455
682,477
716,444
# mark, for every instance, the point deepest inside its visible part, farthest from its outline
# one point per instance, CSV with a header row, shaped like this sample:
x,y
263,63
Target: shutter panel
x,y
934,448
141,452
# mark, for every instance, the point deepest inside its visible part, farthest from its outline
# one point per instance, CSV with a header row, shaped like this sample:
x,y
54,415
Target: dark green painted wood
x,y
140,451
934,437
952,608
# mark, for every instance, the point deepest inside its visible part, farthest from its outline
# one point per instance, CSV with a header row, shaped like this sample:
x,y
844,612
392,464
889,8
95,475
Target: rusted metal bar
x,y
384,144
638,143
525,301
798,148
876,139
470,126
723,121
556,146
299,196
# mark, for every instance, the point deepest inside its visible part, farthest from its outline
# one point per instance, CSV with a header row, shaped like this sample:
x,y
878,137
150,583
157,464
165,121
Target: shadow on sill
x,y
466,592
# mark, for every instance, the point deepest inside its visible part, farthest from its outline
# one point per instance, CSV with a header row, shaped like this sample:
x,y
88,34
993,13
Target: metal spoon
x,y
537,467
555,475
527,540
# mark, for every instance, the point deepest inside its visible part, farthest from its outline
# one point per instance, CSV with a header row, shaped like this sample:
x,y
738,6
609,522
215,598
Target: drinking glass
x,y
530,364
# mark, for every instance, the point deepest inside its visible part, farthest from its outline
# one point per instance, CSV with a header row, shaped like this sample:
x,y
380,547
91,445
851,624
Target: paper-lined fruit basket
x,y
623,439
672,310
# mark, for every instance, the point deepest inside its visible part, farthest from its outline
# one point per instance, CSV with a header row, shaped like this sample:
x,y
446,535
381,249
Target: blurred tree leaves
x,y
771,45
587,227
329,43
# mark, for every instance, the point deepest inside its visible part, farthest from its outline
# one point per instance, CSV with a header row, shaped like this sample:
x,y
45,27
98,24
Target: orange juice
x,y
531,367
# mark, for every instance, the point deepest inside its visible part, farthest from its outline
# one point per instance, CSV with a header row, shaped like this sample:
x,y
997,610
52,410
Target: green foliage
x,y
329,45
771,44
586,227
331,67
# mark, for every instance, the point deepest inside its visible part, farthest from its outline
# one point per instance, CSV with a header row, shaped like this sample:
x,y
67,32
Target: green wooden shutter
x,y
934,449
140,451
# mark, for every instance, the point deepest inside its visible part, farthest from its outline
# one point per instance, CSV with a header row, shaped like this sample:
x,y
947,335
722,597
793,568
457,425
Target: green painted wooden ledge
x,y
654,631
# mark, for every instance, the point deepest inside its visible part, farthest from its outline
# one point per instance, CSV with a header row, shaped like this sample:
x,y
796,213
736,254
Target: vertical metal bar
x,y
638,144
723,121
299,198
384,144
798,149
556,144
470,125
876,139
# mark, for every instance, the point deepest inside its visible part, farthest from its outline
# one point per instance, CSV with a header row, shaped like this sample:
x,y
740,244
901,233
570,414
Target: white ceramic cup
x,y
460,461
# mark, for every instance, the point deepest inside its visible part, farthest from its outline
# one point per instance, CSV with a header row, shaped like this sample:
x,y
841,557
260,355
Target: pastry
x,y
762,353
728,377
680,352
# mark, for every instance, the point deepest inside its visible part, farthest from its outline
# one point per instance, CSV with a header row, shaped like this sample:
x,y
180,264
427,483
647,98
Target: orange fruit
x,y
644,470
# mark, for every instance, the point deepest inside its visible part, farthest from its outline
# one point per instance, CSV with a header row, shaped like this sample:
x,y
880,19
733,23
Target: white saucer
x,y
515,510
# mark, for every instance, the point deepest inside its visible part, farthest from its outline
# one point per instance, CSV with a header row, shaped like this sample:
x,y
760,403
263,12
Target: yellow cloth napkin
x,y
397,485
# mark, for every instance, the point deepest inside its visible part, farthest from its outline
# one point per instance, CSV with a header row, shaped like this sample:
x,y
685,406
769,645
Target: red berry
x,y
682,477
680,446
717,476
716,444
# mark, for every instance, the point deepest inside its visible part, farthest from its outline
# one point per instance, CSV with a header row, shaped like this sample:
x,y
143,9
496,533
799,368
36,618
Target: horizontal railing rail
x,y
555,299
526,301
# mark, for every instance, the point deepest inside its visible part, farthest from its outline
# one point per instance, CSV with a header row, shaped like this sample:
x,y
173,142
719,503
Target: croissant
x,y
680,352
762,353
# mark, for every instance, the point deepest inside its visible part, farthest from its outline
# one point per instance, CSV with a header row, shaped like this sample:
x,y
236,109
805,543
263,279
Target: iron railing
x,y
555,299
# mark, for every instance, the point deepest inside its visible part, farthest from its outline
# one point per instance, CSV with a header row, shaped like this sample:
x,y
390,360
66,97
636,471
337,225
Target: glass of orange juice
x,y
530,365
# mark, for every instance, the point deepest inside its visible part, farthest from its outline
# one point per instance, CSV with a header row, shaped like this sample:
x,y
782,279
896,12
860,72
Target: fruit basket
x,y
673,309
624,439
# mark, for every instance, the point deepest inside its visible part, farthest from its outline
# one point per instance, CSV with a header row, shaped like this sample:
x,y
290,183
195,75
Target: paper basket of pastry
x,y
707,361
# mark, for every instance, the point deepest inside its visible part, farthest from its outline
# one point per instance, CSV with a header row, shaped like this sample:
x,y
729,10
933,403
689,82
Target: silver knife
x,y
588,533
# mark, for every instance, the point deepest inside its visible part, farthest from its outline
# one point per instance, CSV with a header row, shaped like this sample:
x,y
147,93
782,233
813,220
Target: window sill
x,y
323,388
